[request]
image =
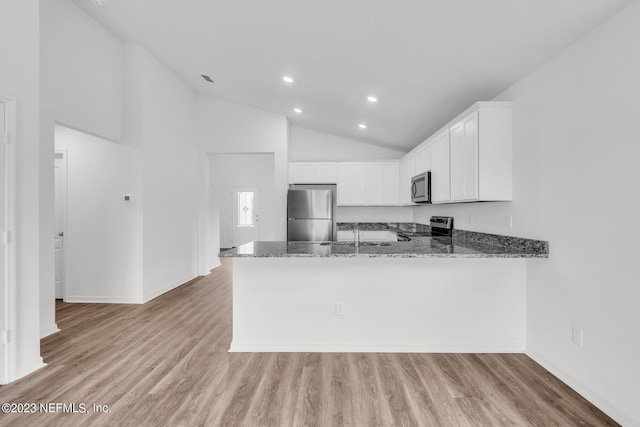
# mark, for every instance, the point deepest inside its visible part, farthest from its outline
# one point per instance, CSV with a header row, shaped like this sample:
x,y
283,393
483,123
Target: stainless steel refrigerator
x,y
310,215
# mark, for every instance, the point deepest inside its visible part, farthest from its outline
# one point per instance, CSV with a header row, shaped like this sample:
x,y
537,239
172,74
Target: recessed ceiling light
x,y
287,79
372,99
100,3
297,110
362,126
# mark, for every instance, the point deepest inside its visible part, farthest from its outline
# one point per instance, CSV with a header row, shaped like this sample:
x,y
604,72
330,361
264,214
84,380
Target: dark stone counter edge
x,y
483,245
528,245
459,236
232,254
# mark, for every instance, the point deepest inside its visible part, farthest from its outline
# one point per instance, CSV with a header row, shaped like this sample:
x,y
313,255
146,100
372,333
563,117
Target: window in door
x,y
245,209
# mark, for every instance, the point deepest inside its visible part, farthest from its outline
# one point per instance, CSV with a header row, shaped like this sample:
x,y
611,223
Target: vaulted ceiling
x,y
425,60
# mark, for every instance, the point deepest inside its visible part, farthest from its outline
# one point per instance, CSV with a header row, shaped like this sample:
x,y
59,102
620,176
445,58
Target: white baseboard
x,y
148,297
210,267
102,300
128,300
39,364
374,348
620,415
49,330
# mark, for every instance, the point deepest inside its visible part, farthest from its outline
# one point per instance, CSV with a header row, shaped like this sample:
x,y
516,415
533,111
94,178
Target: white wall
x,y
81,86
310,145
96,83
243,170
581,112
19,50
224,127
81,70
162,121
103,240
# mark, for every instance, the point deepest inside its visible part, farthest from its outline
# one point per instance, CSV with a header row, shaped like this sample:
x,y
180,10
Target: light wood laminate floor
x,y
165,363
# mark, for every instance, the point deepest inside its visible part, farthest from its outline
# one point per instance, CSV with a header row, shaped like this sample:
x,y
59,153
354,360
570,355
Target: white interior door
x,y
245,221
60,222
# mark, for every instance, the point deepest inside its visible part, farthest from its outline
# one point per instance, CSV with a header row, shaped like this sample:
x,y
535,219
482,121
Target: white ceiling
x,y
426,60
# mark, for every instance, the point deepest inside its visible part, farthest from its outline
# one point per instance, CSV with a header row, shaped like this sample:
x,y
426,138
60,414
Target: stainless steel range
x,y
441,225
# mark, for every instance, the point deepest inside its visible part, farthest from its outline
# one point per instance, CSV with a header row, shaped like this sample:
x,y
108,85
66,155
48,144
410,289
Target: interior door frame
x,y
65,271
7,336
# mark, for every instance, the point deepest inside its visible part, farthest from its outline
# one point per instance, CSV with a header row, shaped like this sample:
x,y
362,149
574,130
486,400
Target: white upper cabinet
x,y
368,183
351,184
313,173
414,163
440,168
411,165
423,158
464,159
470,158
405,183
375,181
382,186
326,173
481,154
301,173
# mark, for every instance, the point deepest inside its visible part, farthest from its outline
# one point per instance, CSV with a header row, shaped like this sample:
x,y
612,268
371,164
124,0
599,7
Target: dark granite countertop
x,y
460,246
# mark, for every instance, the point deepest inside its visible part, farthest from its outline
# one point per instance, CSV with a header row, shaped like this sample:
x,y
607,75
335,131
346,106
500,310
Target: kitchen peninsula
x,y
464,293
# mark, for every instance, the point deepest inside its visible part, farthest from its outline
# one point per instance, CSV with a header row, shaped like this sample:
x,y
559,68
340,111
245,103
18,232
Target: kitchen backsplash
x,y
373,214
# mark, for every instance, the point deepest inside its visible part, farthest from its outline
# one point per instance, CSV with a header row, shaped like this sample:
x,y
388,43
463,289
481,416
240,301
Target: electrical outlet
x,y
508,221
340,308
577,336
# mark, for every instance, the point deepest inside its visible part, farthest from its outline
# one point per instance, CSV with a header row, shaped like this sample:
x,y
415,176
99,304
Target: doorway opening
x,y
242,194
245,225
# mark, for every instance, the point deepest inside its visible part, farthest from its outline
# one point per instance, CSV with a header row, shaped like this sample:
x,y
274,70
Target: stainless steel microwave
x,y
421,188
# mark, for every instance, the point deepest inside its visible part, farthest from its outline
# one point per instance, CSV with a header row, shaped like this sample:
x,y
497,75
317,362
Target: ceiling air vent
x,y
207,78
